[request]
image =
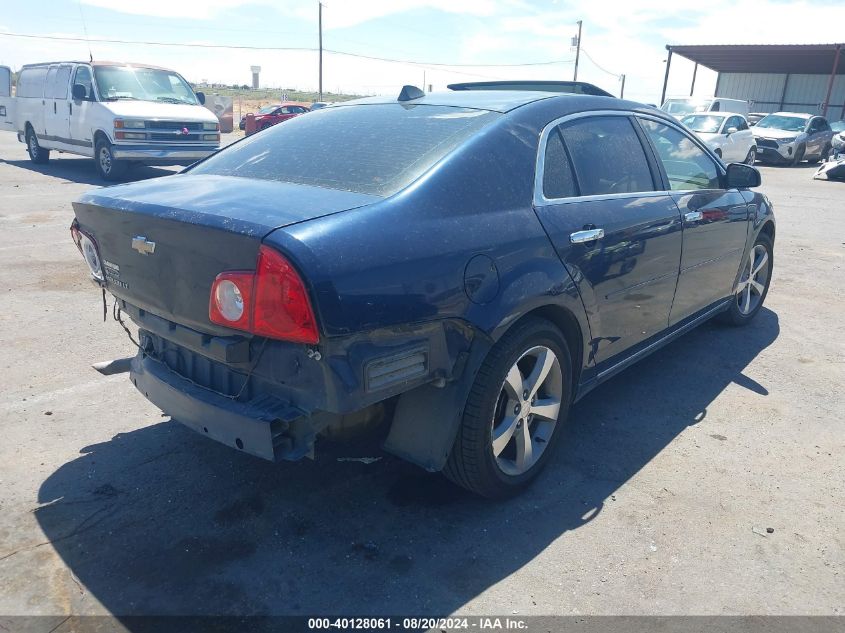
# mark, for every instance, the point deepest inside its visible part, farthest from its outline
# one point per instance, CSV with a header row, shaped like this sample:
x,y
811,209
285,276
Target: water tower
x,y
255,70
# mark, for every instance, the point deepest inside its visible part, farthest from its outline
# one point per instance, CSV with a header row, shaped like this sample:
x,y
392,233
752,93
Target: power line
x,y
596,64
279,48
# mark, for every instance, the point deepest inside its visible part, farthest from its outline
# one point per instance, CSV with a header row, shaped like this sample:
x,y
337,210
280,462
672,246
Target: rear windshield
x,y
371,149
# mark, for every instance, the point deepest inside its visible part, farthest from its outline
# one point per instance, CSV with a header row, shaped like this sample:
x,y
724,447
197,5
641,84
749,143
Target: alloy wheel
x,y
752,156
753,280
105,160
527,410
33,147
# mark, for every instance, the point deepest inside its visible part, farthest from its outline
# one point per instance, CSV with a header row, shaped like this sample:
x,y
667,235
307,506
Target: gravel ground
x,y
708,480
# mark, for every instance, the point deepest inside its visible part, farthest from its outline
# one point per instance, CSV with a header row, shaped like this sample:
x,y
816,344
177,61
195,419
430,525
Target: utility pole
x,y
320,24
577,51
622,91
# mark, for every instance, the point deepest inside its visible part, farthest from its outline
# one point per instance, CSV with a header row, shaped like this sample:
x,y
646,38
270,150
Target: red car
x,y
275,113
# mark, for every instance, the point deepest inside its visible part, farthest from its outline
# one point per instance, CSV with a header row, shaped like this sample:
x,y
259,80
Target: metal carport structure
x,y
775,72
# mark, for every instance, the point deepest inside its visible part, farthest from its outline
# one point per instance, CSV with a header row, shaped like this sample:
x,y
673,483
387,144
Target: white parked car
x,y
727,134
681,106
115,113
790,137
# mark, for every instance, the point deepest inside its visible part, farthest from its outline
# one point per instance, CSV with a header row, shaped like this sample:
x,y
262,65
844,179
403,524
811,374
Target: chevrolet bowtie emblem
x,y
143,245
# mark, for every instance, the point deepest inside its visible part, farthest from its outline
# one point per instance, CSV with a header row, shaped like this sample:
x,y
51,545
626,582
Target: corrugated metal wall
x,y
765,91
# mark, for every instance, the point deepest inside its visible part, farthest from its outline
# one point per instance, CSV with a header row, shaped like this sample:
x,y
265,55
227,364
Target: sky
x,y
489,39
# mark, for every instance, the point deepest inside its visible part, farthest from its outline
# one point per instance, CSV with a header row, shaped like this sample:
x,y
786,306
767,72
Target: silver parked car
x,y
790,137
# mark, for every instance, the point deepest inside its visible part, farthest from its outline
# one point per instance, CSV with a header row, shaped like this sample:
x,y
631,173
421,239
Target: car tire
x,y
107,166
748,296
799,155
498,467
752,156
825,153
37,154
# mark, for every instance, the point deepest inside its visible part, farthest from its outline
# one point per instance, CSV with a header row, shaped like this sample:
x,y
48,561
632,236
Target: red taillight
x,y
270,302
281,308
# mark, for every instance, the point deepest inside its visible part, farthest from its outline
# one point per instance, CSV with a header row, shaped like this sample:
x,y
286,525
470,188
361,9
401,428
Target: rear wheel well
x,y
768,228
568,324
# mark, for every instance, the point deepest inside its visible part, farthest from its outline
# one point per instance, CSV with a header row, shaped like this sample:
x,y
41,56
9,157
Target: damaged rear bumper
x,y
264,426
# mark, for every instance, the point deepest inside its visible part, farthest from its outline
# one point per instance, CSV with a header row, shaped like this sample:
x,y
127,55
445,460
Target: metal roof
x,y
567,87
810,59
494,100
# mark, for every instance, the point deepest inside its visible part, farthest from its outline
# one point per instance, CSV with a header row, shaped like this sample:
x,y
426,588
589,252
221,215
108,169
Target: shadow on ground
x,y
162,521
82,170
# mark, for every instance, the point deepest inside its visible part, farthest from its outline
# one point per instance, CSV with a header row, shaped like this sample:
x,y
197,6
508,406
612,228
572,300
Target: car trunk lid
x,y
163,242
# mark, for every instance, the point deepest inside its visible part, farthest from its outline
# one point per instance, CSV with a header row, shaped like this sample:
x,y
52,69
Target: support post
x,y
694,73
320,26
622,90
666,76
832,77
577,52
783,93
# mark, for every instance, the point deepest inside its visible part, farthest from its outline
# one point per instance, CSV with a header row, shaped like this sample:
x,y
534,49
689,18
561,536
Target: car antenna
x,y
409,93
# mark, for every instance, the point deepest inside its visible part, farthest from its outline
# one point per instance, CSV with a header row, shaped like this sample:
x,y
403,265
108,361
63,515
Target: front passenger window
x,y
607,155
687,166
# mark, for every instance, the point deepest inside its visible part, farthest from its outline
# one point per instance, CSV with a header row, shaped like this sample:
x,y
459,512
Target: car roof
x,y
800,115
493,100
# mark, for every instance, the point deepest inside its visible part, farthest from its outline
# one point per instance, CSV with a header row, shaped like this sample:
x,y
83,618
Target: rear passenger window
x,y
608,156
687,166
558,181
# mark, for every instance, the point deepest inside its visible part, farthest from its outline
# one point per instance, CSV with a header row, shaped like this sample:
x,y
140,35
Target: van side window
x,y
59,87
50,82
558,180
83,77
31,82
607,155
687,166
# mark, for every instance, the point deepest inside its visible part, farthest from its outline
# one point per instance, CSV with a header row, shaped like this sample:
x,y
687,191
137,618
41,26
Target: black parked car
x,y
465,265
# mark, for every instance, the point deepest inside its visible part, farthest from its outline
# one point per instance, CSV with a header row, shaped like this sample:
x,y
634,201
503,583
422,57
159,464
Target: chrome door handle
x,y
693,216
591,235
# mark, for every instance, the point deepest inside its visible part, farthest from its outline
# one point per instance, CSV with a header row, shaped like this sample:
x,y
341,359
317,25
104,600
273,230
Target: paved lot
x,y
658,501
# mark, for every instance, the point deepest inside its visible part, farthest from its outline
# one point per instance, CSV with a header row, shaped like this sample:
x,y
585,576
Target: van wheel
x,y
753,284
107,167
37,154
514,412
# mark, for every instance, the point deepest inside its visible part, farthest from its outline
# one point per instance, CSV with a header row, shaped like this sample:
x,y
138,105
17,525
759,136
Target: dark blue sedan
x,y
461,266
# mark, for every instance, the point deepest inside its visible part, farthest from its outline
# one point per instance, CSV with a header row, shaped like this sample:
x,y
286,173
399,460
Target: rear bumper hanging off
x,y
265,426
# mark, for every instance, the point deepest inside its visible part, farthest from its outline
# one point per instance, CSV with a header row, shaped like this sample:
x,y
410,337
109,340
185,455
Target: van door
x,y
82,111
7,103
56,116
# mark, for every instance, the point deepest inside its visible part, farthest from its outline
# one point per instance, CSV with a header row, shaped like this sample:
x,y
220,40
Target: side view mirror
x,y
731,130
79,92
742,176
201,98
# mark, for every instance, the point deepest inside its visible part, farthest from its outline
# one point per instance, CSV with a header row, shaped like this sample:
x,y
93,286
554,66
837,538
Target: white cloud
x,y
197,9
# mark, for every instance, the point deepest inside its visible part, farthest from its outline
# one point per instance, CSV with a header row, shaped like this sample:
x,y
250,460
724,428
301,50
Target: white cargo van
x,y
116,113
682,106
